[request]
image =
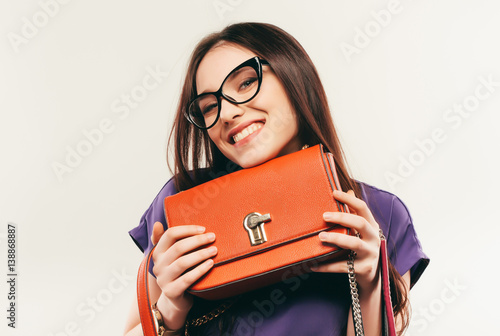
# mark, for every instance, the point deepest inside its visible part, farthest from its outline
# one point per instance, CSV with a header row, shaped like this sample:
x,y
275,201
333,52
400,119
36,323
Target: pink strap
x,y
386,290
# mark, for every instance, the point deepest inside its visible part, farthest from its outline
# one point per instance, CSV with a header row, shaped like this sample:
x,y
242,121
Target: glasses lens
x,y
241,85
203,110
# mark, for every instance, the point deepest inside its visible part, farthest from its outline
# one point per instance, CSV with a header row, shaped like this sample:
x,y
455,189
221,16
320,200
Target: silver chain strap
x,y
356,307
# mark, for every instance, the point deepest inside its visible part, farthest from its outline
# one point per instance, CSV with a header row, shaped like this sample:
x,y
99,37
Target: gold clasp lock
x,y
254,224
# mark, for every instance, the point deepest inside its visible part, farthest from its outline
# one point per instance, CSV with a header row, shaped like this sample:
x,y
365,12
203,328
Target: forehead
x,y
217,64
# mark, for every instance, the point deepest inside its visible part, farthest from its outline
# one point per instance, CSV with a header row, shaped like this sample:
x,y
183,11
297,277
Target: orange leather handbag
x,y
266,220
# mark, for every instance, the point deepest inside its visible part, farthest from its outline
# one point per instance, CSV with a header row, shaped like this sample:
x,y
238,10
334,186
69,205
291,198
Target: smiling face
x,y
254,132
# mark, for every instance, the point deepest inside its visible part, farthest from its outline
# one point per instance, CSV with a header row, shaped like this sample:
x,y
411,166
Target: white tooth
x,y
246,132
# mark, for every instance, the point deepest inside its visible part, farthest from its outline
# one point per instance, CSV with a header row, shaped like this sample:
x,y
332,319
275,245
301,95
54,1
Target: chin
x,y
254,159
250,163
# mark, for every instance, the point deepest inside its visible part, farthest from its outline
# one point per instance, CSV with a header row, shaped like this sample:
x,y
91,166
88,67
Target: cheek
x,y
284,117
277,106
214,134
281,116
274,97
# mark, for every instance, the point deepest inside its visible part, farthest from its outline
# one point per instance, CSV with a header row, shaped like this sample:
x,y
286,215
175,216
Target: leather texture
x,y
295,189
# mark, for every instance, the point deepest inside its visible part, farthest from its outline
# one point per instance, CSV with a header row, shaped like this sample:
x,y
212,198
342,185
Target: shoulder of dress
x,y
384,204
369,190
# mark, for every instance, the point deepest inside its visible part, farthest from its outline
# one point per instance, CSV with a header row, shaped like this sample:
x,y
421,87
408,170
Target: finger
x,y
184,246
178,287
343,241
350,209
352,221
366,274
186,262
176,233
157,232
351,192
354,203
339,266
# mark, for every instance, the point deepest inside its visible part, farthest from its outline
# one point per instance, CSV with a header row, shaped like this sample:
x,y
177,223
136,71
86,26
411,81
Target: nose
x,y
230,111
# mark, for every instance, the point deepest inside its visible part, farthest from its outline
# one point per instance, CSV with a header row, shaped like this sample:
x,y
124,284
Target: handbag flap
x,y
295,190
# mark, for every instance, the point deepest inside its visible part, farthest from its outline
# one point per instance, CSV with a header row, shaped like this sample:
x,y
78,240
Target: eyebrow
x,y
227,76
205,91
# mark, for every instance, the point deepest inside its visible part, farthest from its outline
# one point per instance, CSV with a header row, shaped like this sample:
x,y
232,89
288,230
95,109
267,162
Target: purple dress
x,y
310,304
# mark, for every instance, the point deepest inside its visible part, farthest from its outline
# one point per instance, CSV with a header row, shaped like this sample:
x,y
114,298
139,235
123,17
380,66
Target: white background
x,y
390,95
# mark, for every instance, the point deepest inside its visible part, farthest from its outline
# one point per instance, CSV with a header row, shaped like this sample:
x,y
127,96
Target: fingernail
x,y
201,229
328,215
323,236
212,249
211,236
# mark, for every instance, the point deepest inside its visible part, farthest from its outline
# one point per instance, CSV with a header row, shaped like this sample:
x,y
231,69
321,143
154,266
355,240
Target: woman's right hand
x,y
177,250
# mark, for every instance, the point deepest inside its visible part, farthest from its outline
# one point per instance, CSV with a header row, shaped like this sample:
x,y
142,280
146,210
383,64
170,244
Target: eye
x,y
209,109
249,82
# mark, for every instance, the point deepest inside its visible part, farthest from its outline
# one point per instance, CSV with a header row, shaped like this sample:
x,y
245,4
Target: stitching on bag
x,y
283,243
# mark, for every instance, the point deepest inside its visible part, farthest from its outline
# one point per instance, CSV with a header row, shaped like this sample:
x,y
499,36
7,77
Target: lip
x,y
240,127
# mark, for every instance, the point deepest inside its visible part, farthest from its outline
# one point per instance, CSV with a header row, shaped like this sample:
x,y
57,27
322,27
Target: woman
x,y
223,124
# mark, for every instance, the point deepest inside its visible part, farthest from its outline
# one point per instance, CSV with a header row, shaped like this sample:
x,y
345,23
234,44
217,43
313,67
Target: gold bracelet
x,y
160,325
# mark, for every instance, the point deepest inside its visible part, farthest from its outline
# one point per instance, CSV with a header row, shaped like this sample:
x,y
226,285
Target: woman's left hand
x,y
366,246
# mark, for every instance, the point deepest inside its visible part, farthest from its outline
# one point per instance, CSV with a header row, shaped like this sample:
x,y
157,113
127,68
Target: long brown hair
x,y
290,63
